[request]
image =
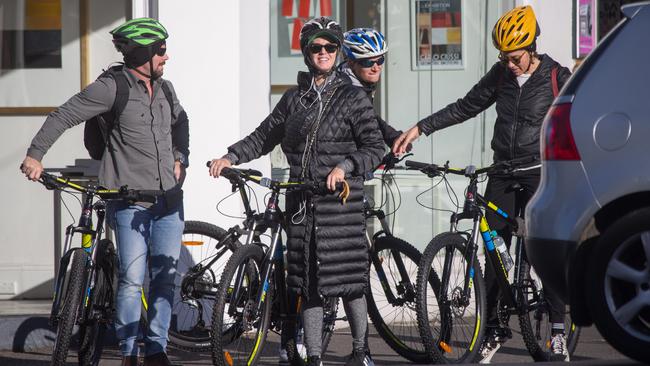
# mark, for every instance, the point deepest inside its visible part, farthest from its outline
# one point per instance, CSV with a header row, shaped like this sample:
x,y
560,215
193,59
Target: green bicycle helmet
x,y
139,32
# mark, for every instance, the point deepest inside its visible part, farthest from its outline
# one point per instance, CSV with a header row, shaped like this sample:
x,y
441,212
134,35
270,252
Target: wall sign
x,y
437,34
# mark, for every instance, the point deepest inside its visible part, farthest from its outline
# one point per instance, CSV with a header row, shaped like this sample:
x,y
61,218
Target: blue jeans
x,y
153,233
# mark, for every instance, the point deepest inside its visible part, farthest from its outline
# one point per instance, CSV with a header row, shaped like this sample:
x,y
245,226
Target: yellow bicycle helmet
x,y
516,29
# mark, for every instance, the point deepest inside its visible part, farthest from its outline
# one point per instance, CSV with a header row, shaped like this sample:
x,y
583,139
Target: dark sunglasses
x,y
366,62
515,60
161,51
330,48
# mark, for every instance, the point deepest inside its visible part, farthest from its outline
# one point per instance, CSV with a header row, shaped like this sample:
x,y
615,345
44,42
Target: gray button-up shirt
x,y
143,156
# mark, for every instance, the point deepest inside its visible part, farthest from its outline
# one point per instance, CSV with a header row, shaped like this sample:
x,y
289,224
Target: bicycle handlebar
x,y
235,176
502,167
390,160
51,181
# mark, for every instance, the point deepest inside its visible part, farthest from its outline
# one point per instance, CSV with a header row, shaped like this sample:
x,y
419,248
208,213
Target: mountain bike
x,y
88,288
86,296
391,295
451,318
252,295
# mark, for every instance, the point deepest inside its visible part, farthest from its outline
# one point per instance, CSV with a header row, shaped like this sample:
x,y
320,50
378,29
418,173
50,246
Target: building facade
x,y
230,61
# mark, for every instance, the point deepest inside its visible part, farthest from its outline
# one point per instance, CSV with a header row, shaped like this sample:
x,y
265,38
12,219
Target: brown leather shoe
x,y
130,361
157,359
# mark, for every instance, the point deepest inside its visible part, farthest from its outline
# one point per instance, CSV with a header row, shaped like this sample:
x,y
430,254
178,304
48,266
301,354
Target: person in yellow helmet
x,y
523,84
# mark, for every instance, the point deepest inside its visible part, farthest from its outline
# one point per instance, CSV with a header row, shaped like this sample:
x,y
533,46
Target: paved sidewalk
x,y
33,332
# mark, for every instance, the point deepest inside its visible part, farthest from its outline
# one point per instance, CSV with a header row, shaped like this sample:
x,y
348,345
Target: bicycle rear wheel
x,y
391,297
450,326
196,285
535,324
238,330
100,308
70,307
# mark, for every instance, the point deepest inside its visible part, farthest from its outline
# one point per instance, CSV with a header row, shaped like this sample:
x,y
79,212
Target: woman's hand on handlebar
x,y
32,168
217,165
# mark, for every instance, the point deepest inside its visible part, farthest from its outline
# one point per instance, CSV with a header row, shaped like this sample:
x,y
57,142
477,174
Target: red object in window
x,y
326,8
558,143
303,8
457,19
440,20
295,35
287,8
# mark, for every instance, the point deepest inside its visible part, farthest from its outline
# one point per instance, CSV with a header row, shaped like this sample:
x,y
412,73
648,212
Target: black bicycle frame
x,y
90,237
472,210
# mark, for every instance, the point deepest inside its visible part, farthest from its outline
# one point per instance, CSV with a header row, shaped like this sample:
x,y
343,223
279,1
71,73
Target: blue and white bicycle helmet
x,y
363,43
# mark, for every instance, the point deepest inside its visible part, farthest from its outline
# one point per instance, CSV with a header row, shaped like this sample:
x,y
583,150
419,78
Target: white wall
x,y
219,66
555,22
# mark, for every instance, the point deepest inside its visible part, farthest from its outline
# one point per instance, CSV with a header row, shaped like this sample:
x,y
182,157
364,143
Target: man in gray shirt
x,y
147,149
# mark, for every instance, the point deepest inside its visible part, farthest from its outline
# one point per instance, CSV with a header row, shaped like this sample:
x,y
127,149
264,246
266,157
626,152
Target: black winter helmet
x,y
315,28
320,27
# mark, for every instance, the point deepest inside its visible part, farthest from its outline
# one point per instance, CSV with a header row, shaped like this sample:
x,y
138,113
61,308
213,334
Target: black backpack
x,y
97,129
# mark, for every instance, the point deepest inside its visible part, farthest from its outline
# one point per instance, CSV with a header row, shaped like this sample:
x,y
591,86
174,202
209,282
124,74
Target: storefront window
x,y
438,34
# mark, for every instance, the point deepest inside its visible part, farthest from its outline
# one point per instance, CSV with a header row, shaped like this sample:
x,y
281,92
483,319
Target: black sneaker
x,y
494,338
314,361
359,357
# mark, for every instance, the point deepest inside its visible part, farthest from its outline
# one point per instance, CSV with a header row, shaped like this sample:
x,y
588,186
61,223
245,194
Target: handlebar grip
x,y
417,164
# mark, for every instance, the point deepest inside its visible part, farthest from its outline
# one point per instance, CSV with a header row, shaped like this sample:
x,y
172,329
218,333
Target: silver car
x,y
588,224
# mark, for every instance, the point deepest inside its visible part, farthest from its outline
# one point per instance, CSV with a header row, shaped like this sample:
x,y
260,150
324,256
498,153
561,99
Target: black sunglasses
x,y
330,48
366,62
161,51
516,60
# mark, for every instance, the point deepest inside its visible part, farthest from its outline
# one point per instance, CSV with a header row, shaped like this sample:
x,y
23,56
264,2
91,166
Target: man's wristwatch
x,y
181,158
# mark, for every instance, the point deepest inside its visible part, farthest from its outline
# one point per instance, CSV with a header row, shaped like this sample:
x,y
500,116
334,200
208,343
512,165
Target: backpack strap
x,y
169,97
112,118
556,91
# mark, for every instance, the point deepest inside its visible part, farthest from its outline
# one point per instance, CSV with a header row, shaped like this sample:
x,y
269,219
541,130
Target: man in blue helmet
x,y
364,50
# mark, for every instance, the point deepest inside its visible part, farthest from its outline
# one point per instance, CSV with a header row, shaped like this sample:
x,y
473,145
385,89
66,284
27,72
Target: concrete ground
x,y
23,327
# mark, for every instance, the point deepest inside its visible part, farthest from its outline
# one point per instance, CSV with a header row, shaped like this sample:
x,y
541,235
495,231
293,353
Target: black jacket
x,y
347,130
520,111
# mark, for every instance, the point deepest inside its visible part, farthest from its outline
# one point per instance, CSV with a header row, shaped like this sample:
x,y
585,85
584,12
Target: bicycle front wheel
x,y
100,304
391,297
535,322
70,307
238,329
450,320
196,285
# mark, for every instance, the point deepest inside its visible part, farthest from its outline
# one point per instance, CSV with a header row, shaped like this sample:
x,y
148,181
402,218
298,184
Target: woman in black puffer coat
x,y
328,130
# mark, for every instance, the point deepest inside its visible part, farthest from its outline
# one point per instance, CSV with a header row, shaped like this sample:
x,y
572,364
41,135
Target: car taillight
x,y
558,143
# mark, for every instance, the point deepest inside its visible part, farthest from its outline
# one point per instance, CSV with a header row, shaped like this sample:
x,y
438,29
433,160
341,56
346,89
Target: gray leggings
x,y
312,313
312,319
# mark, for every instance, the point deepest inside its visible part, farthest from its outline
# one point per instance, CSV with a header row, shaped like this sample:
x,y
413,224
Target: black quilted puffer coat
x,y
347,129
520,110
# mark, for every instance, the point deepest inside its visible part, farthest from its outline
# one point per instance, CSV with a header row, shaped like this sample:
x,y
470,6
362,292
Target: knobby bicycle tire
x,y
451,314
70,308
191,315
100,305
330,310
396,321
238,338
534,322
